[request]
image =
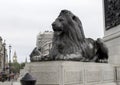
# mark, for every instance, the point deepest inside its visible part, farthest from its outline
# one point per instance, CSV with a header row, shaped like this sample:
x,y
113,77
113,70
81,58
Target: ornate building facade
x,y
43,46
44,42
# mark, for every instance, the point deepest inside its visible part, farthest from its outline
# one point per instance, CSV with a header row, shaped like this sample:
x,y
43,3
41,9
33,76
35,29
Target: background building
x,y
44,42
2,55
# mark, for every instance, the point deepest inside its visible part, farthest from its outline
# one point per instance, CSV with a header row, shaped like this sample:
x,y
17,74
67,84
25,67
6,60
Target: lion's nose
x,y
53,24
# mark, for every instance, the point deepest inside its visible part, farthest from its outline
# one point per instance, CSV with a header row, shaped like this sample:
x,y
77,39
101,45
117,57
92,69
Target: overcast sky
x,y
22,20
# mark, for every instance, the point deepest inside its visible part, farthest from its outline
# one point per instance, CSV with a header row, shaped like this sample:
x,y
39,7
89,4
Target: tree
x,y
22,65
15,67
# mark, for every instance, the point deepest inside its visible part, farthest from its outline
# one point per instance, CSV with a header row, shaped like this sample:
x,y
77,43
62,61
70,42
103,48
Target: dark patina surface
x,y
70,43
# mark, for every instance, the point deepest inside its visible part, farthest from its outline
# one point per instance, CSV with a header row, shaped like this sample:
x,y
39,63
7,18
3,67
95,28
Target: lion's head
x,y
68,34
67,22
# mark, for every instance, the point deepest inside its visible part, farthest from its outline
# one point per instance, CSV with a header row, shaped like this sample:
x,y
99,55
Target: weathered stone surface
x,y
113,43
112,36
72,73
117,69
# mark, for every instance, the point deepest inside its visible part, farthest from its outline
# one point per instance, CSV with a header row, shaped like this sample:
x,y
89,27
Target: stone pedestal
x,y
112,29
72,73
112,40
117,69
112,33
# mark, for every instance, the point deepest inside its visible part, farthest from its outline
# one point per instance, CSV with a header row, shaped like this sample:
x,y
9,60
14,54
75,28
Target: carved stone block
x,y
72,73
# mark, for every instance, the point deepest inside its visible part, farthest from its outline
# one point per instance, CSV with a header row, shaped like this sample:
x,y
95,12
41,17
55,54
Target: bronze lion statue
x,y
69,42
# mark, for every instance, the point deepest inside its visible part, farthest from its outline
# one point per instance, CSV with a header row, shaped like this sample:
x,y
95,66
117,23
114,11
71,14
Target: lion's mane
x,y
68,35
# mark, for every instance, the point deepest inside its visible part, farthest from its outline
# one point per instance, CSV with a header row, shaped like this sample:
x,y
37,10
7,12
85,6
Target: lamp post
x,y
4,59
9,61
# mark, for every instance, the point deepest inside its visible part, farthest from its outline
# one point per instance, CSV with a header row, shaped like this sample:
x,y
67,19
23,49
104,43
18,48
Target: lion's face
x,y
58,26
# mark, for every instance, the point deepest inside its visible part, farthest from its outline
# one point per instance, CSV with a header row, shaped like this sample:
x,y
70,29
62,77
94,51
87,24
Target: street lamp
x,y
9,61
4,59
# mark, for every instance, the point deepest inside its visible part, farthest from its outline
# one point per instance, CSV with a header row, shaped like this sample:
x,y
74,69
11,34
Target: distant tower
x,y
14,57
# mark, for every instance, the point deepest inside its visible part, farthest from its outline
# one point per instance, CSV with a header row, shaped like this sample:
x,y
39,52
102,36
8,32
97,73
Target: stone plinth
x,y
72,73
117,69
112,40
112,35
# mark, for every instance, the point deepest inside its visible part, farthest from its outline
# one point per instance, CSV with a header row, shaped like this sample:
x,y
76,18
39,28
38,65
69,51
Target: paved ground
x,y
10,83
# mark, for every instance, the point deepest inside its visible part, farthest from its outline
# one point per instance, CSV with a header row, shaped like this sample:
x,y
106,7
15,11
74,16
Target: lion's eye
x,y
73,17
61,20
